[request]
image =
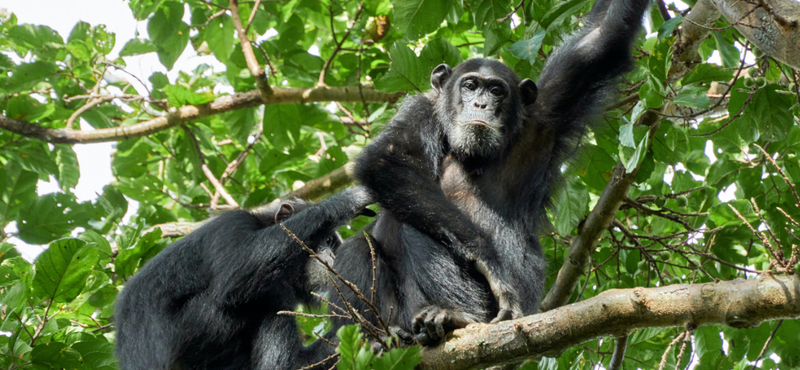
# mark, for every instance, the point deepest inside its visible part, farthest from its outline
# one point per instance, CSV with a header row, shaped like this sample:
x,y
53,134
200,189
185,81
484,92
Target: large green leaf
x,y
62,269
418,17
168,32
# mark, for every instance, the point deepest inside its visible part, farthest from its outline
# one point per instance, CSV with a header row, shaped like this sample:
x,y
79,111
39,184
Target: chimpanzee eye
x,y
496,91
470,85
329,241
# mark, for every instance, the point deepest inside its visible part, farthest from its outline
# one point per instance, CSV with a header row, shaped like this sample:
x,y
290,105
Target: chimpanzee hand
x,y
433,322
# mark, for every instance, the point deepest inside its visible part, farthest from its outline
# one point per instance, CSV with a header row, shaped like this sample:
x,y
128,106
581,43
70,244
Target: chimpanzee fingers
x,y
419,322
438,323
423,339
435,333
404,336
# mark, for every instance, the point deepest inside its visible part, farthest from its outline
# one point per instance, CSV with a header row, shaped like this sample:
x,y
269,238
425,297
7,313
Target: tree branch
x,y
771,25
247,50
738,303
187,113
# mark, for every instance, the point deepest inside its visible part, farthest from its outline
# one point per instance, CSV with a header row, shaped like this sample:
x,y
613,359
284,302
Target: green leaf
x,y
707,73
27,75
17,188
595,166
669,26
638,155
96,353
143,8
50,217
145,248
168,33
14,298
419,17
55,355
773,115
349,343
35,37
242,122
62,269
562,11
438,51
693,96
179,95
68,169
528,49
626,135
727,51
399,359
406,73
722,215
487,12
571,208
137,47
219,36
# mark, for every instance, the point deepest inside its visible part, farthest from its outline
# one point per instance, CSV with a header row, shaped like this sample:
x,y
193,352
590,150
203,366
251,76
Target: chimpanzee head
x,y
480,104
315,275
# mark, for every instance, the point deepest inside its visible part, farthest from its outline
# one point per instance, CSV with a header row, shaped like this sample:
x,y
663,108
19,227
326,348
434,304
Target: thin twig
x,y
207,171
321,81
764,349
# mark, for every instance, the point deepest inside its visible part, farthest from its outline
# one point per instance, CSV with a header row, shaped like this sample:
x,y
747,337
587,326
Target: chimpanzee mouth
x,y
477,122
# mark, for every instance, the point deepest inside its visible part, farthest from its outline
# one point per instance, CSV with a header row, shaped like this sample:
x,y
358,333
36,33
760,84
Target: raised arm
x,y
577,74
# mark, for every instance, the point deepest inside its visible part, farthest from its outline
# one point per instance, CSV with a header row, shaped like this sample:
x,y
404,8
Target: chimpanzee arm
x,y
268,260
401,168
576,75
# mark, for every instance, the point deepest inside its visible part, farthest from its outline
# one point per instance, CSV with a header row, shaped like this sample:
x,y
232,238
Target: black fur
x,y
465,173
209,301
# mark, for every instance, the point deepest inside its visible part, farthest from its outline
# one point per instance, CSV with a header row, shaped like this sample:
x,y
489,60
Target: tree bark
x,y
772,26
187,113
738,303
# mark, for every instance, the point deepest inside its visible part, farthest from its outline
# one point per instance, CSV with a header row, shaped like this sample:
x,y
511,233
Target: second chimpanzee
x,y
210,300
465,173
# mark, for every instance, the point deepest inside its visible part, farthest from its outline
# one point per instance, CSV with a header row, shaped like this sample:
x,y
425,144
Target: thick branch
x,y
191,112
693,31
773,27
738,303
597,222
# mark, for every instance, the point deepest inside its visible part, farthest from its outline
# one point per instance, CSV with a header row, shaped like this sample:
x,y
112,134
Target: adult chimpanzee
x,y
465,173
210,300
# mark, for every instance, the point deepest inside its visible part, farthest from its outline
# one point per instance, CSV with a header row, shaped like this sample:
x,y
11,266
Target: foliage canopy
x,y
711,152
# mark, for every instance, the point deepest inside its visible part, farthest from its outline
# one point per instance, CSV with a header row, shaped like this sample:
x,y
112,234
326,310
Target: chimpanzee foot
x,y
433,322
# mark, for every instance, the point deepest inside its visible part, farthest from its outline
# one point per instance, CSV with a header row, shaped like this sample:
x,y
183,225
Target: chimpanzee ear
x,y
284,213
439,76
529,91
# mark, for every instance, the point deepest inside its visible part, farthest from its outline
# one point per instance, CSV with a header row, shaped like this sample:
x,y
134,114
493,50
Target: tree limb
x,y
773,27
187,113
738,303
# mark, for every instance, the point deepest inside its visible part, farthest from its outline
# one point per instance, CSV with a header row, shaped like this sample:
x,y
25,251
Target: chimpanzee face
x,y
480,105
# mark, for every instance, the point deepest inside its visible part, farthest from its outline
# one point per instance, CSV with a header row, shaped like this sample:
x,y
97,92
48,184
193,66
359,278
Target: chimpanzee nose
x,y
479,105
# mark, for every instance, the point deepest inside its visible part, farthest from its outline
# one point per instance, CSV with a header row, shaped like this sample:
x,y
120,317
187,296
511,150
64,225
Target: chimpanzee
x,y
210,300
464,175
